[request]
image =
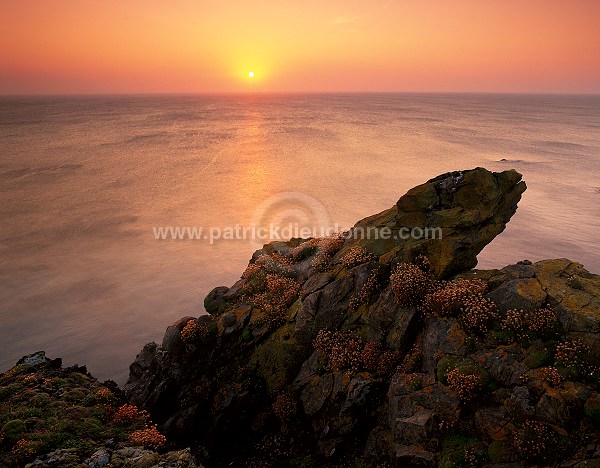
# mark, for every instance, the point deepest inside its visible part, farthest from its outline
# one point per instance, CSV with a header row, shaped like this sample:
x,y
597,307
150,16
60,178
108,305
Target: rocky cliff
x,y
387,350
356,350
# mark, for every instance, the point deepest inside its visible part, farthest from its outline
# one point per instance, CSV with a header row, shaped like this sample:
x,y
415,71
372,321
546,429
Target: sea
x,y
88,182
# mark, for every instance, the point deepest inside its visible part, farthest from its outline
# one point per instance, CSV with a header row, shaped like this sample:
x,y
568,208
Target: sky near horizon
x,y
211,46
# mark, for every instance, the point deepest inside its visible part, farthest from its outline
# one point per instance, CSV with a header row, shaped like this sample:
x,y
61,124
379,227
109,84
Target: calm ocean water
x,y
83,180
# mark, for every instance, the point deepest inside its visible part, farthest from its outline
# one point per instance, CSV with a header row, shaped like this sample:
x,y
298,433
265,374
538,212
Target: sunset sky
x,y
181,46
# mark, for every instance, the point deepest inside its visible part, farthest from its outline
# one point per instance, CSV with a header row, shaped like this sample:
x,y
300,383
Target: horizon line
x,y
258,93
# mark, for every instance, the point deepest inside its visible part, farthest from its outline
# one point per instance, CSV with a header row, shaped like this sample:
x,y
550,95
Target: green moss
x,y
445,365
278,359
40,400
454,451
592,408
497,452
9,390
503,337
303,462
13,430
75,395
247,335
537,356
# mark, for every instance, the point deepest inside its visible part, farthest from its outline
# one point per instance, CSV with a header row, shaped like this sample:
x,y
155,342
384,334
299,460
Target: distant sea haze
x,y
84,180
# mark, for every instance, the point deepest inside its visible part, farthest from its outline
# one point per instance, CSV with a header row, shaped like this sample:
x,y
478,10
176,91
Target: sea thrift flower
x,y
148,437
280,293
285,407
571,355
532,440
104,394
327,247
414,381
341,350
412,359
357,255
276,263
370,287
451,297
550,375
388,362
370,356
25,448
465,384
130,413
542,321
537,322
305,249
478,313
409,284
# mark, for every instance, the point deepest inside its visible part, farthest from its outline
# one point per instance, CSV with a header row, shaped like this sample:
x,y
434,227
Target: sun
x,y
251,74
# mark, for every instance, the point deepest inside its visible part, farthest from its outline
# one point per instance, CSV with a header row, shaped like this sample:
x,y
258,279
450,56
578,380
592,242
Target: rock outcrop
x,y
331,351
468,208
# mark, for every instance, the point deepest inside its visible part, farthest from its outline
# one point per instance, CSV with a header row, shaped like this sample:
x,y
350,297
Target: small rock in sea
x,y
524,262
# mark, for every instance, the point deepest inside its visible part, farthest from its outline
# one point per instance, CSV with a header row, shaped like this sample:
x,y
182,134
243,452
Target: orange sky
x,y
147,46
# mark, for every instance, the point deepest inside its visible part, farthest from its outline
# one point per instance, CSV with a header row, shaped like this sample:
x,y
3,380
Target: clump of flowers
x,y
256,273
542,321
327,247
370,356
478,314
410,284
29,378
515,321
412,359
539,322
25,448
414,381
148,437
388,362
129,413
104,394
467,385
285,407
571,356
450,297
279,294
533,440
371,286
193,331
377,360
305,249
550,375
357,255
276,263
341,350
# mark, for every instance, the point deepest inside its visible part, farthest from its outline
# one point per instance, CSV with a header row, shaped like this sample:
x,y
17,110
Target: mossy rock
x,y
278,359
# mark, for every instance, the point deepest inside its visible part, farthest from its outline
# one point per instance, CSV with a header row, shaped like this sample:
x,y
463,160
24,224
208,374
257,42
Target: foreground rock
x,y
63,417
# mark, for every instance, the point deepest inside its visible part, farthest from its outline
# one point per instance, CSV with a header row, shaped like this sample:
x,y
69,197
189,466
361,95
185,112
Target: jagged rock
x,y
470,207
